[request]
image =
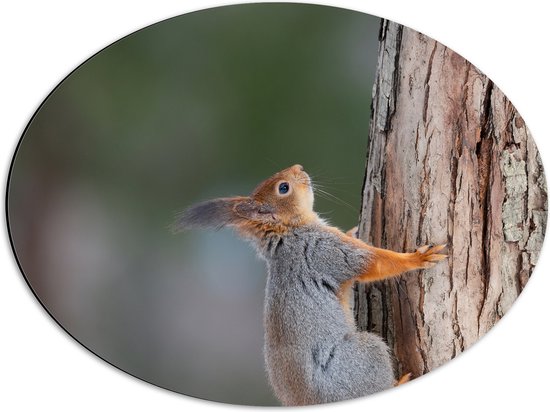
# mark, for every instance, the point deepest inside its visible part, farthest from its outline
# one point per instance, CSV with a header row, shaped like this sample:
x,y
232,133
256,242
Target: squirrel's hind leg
x,y
403,379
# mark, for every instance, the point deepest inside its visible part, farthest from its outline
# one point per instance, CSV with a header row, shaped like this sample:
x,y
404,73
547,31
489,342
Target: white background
x,y
42,367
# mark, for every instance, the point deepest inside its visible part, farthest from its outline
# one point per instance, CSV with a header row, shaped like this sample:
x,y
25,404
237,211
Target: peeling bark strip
x,y
449,160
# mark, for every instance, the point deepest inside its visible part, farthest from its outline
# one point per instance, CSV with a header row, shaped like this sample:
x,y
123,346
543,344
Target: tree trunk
x,y
449,161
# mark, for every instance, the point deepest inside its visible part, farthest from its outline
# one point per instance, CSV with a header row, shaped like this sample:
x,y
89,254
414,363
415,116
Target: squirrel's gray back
x,y
313,354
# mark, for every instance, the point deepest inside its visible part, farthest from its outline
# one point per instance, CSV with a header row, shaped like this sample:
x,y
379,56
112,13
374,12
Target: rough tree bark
x,y
449,161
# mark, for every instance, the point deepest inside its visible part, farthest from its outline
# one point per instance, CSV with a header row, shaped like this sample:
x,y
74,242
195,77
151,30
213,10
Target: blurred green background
x,y
203,105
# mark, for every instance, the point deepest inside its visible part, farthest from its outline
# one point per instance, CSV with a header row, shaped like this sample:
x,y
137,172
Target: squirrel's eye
x,y
284,188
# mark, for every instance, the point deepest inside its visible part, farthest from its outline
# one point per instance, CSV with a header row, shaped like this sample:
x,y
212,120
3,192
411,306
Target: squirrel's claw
x,y
429,256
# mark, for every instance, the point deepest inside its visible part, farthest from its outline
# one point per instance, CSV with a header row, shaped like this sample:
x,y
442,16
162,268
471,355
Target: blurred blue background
x,y
203,105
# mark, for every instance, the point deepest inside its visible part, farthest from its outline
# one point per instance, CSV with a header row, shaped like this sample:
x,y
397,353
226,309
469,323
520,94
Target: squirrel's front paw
x,y
353,232
428,255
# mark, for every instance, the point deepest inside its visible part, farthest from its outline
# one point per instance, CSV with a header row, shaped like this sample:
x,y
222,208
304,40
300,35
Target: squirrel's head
x,y
287,195
282,201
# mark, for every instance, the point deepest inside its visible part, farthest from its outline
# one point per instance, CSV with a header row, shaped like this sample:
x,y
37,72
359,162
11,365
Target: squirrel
x,y
313,352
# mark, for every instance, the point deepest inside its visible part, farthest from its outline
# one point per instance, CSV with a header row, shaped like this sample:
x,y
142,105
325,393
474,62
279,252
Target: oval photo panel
x,y
392,201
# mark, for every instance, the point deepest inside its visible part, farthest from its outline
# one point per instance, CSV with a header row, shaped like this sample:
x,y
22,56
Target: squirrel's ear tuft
x,y
215,213
252,210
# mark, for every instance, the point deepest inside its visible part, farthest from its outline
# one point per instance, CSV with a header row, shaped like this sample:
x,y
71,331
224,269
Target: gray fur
x,y
313,354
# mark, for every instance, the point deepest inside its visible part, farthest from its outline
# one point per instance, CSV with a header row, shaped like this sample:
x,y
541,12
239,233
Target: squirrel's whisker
x,y
331,197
